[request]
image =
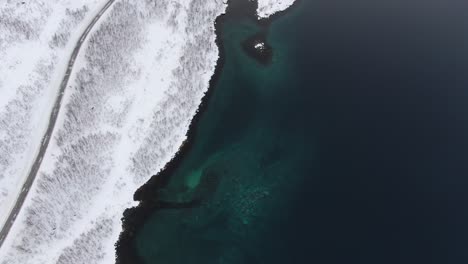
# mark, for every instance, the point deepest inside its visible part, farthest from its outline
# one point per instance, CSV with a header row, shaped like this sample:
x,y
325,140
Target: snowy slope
x,y
36,39
136,85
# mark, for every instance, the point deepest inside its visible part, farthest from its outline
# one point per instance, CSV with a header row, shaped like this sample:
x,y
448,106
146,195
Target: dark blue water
x,y
387,86
351,147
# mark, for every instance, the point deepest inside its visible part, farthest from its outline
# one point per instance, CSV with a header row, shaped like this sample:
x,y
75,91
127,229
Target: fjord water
x,y
350,147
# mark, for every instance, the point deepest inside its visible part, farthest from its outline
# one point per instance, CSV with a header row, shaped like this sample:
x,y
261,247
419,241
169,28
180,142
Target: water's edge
x,y
134,218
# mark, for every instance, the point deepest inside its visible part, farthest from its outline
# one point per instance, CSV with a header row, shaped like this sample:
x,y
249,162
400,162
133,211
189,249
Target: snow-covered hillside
x,y
135,88
36,40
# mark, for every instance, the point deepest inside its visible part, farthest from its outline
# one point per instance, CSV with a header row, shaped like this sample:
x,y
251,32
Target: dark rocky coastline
x,y
134,218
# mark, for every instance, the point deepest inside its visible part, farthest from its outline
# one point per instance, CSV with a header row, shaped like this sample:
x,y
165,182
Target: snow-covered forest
x,y
34,43
136,84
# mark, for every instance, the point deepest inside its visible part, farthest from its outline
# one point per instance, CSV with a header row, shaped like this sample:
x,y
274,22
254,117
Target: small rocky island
x,y
258,48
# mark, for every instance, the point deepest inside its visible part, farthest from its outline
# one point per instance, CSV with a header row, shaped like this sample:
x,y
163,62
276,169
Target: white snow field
x,y
136,85
267,8
36,40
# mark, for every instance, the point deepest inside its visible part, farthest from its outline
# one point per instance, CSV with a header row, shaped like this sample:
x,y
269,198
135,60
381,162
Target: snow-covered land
x,y
36,40
135,87
267,8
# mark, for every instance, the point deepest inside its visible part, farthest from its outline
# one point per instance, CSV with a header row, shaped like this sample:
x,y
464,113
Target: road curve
x,y
48,134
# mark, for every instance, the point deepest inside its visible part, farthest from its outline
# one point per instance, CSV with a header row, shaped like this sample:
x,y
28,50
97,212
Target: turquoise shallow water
x,y
350,147
239,167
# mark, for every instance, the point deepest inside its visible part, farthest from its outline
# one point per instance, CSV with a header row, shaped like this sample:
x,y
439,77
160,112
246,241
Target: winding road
x,y
52,120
